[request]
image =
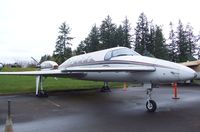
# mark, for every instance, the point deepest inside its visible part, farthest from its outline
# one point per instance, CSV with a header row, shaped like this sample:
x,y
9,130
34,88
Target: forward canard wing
x,y
110,69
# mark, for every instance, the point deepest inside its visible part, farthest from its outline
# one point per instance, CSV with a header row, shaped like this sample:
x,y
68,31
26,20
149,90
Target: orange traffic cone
x,y
175,90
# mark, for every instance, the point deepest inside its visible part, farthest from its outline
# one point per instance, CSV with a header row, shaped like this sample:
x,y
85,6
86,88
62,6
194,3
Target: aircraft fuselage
x,y
164,71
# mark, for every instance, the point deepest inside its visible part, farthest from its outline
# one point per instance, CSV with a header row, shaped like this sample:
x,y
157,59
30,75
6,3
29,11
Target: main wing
x,y
81,70
35,73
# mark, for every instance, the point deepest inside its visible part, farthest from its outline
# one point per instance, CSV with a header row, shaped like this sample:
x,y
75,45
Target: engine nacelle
x,y
49,65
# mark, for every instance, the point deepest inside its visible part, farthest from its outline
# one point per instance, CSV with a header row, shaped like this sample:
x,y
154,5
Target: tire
x,y
42,94
152,106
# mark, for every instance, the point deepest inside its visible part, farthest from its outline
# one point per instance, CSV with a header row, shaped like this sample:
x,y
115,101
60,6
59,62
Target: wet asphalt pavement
x,y
93,111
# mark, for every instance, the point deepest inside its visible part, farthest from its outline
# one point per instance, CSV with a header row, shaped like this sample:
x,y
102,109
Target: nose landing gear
x,y
151,105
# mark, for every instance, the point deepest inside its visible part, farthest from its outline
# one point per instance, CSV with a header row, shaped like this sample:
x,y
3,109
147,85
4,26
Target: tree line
x,y
146,38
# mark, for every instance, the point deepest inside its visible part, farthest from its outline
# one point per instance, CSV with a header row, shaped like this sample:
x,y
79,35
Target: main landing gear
x,y
150,104
39,87
105,88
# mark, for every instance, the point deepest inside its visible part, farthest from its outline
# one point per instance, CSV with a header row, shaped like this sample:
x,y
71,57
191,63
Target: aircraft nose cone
x,y
186,73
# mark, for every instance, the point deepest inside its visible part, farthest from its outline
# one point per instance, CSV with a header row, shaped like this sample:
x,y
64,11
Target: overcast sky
x,y
30,27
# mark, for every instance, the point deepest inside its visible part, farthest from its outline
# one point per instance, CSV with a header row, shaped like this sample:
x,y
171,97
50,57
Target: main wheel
x,y
42,93
151,106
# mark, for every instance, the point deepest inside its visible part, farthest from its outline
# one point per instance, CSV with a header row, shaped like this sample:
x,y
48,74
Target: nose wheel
x,y
151,106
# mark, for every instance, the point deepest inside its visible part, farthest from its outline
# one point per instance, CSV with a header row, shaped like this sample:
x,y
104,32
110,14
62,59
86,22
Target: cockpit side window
x,y
108,55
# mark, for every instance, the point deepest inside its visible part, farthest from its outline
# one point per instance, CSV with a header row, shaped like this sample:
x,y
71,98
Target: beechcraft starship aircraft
x,y
118,64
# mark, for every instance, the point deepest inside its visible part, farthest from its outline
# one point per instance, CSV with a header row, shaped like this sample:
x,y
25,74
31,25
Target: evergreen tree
x,y
107,34
122,35
172,46
191,41
81,48
151,40
182,43
198,52
160,46
67,53
62,48
45,58
141,34
92,43
119,36
126,33
197,47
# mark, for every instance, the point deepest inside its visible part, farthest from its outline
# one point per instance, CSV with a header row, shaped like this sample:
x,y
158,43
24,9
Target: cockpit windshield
x,y
124,52
120,52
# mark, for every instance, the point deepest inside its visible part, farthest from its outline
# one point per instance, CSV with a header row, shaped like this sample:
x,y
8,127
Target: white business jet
x,y
117,64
